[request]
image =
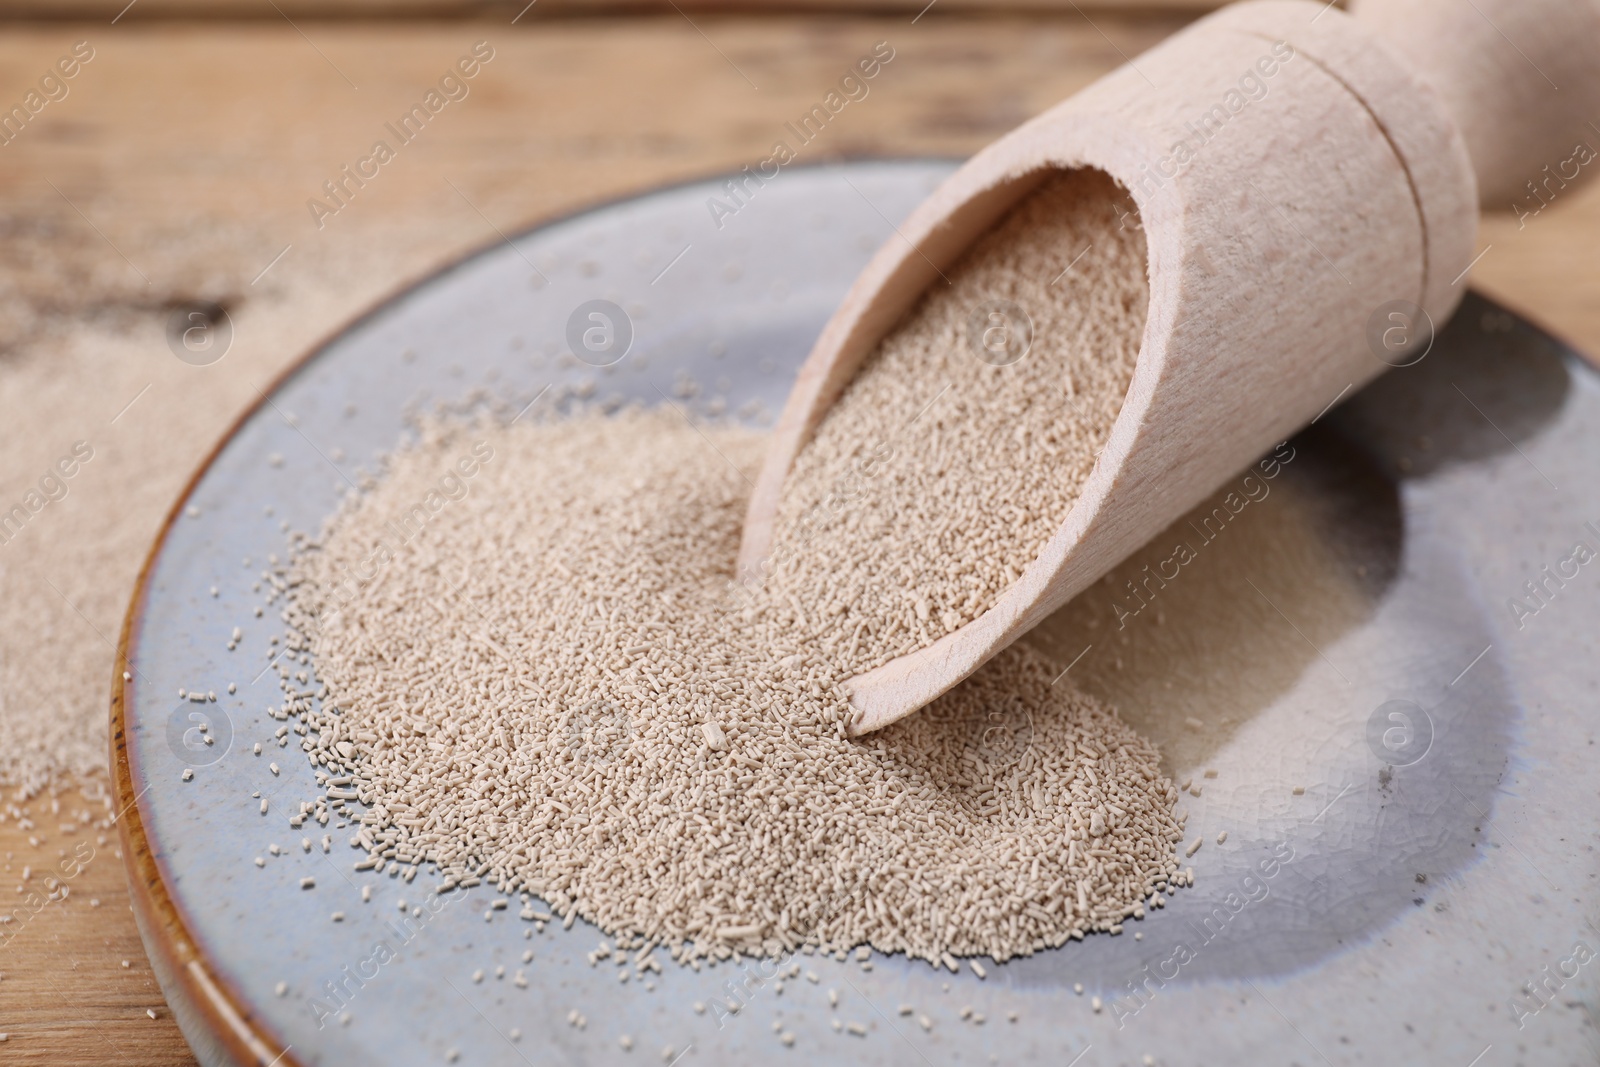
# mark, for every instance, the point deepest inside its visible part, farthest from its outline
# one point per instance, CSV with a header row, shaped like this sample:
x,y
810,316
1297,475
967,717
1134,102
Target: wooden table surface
x,y
180,166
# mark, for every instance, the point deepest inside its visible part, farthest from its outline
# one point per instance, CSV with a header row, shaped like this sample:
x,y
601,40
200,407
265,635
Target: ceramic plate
x,y
1376,668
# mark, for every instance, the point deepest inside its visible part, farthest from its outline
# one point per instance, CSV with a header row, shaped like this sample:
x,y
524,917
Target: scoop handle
x,y
1519,77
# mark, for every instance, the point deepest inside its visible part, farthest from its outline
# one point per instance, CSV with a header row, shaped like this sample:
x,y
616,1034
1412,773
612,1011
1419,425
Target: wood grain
x,y
76,986
188,151
503,10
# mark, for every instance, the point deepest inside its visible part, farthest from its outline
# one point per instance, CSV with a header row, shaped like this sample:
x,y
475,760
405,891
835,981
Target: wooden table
x,y
180,167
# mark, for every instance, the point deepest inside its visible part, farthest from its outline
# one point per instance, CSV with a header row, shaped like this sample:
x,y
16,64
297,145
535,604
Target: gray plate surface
x,y
1349,630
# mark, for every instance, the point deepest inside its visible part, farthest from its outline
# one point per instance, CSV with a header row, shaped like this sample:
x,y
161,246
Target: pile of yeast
x,y
549,686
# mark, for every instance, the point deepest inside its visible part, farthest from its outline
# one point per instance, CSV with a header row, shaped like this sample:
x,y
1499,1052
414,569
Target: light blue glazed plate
x,y
1350,632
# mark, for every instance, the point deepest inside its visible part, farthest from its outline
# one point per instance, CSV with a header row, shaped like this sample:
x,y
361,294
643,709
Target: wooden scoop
x,y
1304,238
